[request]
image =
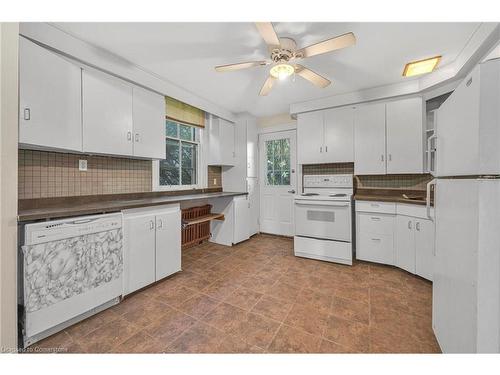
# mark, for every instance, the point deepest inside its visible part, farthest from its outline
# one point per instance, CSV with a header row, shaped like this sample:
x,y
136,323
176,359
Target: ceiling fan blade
x,y
341,41
267,33
311,76
267,86
243,65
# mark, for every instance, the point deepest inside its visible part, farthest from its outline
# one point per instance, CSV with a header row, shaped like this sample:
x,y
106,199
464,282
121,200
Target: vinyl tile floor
x,y
257,297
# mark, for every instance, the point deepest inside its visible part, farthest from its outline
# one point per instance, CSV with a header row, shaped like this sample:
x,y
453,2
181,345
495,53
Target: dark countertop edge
x,y
114,206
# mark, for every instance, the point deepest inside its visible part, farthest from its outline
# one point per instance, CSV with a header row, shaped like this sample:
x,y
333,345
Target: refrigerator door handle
x,y
428,198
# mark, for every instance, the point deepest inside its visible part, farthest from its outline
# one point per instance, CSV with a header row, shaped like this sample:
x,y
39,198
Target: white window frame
x,y
199,166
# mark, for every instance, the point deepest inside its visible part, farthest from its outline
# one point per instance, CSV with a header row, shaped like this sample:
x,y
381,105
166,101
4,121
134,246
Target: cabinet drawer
x,y
375,223
374,206
377,248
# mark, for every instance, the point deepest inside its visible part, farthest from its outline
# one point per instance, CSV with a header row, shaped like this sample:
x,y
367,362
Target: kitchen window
x,y
180,168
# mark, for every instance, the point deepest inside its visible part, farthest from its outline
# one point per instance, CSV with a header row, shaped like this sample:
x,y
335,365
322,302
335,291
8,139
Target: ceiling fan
x,y
284,53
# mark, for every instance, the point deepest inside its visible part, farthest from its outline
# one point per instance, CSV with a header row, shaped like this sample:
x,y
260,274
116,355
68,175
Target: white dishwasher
x,y
72,269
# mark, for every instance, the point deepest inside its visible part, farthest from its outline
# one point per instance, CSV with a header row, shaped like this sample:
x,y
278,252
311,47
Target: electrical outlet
x,y
82,165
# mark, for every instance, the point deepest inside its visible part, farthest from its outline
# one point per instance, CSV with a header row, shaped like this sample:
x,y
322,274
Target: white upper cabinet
x,y
404,122
50,99
148,124
107,115
388,138
310,135
221,139
369,139
468,123
227,134
252,148
339,135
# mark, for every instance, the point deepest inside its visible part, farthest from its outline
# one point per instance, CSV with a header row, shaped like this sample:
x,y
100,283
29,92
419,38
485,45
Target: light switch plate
x,y
215,181
82,165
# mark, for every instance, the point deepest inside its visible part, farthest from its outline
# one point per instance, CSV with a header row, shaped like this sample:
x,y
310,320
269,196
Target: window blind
x,y
184,113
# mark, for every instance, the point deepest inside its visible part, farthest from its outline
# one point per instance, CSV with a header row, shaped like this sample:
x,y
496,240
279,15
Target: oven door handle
x,y
326,204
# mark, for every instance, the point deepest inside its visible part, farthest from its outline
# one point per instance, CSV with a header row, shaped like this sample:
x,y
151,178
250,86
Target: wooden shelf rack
x,y
202,219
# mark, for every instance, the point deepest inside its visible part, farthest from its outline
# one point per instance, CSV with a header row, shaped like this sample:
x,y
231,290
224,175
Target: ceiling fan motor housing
x,y
285,52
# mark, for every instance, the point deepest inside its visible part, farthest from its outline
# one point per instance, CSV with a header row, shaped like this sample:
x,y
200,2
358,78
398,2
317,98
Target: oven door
x,y
323,219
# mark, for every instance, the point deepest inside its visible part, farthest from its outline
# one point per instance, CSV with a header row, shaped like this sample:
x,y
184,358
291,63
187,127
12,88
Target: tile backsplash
x,y
330,168
394,181
45,174
214,177
390,181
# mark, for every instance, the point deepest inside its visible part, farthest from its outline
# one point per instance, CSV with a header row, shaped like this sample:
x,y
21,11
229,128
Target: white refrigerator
x,y
466,286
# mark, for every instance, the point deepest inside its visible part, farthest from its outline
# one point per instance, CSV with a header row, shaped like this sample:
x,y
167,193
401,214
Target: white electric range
x,y
323,218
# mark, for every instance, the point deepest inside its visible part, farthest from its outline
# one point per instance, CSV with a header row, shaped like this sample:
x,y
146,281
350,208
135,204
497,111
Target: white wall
x,y
9,42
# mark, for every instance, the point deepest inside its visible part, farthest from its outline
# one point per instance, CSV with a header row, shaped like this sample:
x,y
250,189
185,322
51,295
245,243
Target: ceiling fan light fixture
x,y
282,71
415,68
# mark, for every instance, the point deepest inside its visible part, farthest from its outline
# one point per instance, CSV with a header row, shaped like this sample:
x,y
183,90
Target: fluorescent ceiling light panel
x,y
415,68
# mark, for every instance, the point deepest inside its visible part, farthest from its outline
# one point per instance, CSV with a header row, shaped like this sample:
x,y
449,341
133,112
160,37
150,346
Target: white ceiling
x,y
186,53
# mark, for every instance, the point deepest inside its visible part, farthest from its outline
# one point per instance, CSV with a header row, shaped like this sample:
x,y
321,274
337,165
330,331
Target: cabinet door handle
x,y
326,148
417,226
27,114
321,149
151,224
160,223
381,157
137,137
375,239
129,136
409,225
374,218
390,157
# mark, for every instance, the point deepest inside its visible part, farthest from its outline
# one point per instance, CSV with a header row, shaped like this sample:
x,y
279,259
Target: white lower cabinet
x,y
405,243
395,234
241,219
152,245
168,242
424,248
375,235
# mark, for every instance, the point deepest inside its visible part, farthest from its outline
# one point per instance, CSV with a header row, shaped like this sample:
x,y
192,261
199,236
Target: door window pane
x,y
169,168
278,161
188,158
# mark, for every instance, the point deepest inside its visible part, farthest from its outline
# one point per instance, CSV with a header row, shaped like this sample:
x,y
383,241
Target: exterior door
x,y
278,182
